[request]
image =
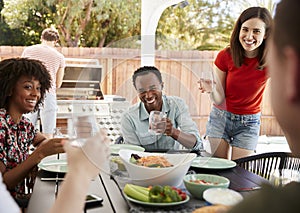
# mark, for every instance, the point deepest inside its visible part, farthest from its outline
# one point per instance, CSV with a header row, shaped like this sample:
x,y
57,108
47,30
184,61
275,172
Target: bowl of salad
x,y
196,184
146,168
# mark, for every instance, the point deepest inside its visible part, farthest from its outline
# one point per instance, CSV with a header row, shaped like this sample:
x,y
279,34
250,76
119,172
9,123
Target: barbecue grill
x,y
81,94
81,80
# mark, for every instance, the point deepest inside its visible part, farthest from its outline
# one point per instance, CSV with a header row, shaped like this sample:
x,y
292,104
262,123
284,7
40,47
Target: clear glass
x,y
284,176
82,127
157,124
207,81
60,132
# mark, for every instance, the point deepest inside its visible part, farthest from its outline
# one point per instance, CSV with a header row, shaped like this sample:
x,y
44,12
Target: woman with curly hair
x,y
23,84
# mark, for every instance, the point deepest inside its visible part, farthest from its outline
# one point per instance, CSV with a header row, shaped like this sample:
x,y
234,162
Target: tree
x,y
117,20
202,25
7,35
81,23
25,21
269,4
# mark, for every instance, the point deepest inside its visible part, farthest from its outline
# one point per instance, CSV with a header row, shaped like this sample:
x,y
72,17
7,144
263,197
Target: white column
x,y
150,13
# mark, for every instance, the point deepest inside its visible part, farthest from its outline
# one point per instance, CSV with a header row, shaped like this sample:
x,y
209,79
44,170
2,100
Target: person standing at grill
x,y
55,64
241,75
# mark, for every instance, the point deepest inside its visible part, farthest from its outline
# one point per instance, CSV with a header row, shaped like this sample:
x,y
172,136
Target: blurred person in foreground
x,y
54,61
284,68
179,127
84,164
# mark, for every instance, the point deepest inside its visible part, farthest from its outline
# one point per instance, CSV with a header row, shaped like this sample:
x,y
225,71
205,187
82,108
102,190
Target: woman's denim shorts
x,y
238,130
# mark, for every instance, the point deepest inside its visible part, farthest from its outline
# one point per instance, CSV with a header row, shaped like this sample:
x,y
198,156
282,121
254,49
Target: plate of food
x,y
212,163
58,165
155,195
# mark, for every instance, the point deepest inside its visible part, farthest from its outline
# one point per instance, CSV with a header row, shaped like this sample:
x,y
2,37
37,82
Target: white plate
x,y
223,196
157,204
212,163
54,166
115,148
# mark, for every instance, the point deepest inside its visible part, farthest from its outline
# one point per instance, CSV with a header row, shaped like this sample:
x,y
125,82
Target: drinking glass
x,y
207,81
60,132
83,126
284,176
157,123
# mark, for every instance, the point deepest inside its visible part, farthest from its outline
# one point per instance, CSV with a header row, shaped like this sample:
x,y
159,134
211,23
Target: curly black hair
x,y
145,70
14,68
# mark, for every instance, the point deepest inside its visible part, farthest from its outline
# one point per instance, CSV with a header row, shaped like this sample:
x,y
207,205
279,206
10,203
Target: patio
x,y
265,144
272,144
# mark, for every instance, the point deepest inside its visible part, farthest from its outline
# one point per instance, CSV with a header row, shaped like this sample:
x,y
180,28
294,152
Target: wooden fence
x,y
180,70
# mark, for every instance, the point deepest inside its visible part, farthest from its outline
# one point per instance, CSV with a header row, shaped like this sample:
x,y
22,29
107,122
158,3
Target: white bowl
x,y
224,196
146,176
197,189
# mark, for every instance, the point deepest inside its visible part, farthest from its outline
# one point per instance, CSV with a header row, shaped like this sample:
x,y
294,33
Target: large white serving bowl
x,y
145,176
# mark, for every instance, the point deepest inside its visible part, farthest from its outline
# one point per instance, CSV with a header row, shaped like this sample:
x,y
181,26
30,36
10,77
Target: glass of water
x,y
83,127
284,176
60,132
157,122
207,82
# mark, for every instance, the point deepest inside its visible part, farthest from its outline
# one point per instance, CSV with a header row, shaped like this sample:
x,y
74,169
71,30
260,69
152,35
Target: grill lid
x,y
81,80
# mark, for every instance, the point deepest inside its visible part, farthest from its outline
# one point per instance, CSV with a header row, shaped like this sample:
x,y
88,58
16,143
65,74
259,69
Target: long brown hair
x,y
236,49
